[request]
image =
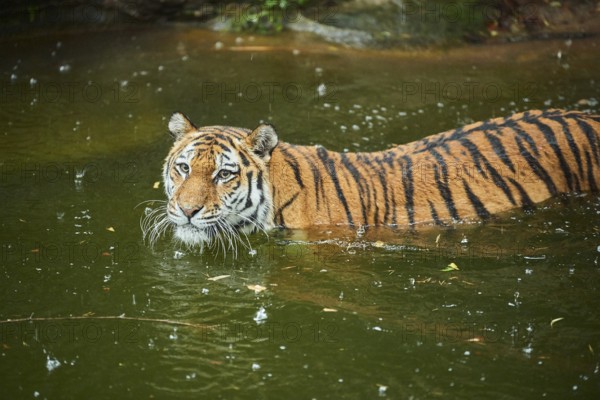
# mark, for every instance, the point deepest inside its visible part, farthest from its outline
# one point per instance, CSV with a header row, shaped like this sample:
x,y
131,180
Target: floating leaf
x,y
451,267
156,185
256,288
555,320
218,278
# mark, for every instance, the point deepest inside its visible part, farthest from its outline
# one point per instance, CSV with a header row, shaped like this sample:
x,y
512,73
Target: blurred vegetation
x,y
267,16
367,22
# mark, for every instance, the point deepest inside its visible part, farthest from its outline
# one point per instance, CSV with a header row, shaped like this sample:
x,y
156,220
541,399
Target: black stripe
x,y
482,212
537,168
284,206
244,159
296,173
571,141
500,150
551,139
434,214
368,183
381,175
358,179
446,195
525,136
237,200
330,167
590,171
317,180
526,203
441,163
259,181
376,221
293,163
409,189
475,155
591,137
233,132
496,178
222,146
248,200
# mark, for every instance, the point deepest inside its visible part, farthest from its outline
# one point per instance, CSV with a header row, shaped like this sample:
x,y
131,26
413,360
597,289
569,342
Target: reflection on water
x,y
315,314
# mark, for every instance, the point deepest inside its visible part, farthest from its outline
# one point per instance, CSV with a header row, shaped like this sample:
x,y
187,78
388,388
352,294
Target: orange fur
x,y
376,186
471,172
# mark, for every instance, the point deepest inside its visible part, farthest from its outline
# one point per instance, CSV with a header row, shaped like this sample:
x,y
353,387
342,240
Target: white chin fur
x,y
191,236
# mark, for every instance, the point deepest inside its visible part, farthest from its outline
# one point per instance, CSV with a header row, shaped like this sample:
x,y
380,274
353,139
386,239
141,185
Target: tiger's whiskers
x,y
154,223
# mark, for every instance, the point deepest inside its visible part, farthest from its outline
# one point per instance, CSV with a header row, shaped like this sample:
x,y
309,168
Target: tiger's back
x,y
223,182
471,172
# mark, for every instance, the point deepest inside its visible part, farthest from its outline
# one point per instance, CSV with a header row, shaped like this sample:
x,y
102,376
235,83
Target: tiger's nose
x,y
189,212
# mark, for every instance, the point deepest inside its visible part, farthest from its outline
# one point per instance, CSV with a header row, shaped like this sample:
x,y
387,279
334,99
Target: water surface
x,y
319,314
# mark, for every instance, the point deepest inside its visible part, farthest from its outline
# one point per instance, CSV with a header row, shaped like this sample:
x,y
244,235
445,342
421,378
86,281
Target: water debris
x,y
219,45
542,257
218,278
110,229
156,185
381,389
322,90
451,267
261,316
178,255
255,366
360,231
555,320
52,363
330,310
592,102
190,376
256,288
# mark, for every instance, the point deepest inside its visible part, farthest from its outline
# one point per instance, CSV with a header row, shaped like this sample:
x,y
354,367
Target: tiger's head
x,y
217,182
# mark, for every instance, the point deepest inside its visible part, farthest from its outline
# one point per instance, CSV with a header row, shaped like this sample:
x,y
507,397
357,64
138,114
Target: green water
x,y
322,314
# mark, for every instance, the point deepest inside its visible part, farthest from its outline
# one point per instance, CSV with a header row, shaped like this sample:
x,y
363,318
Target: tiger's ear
x,y
262,140
179,125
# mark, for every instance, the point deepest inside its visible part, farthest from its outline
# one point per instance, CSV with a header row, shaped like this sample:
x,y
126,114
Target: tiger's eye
x,y
224,174
183,167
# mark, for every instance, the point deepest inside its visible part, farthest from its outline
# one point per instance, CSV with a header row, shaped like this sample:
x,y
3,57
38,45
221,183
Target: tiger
x,y
223,183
